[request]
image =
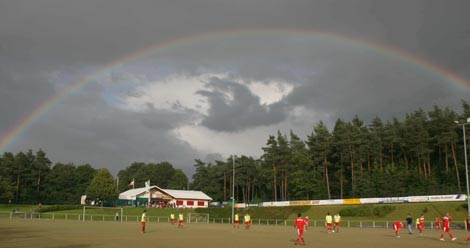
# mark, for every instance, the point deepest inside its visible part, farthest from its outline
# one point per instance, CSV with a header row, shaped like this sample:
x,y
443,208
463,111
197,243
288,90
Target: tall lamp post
x,y
233,189
466,163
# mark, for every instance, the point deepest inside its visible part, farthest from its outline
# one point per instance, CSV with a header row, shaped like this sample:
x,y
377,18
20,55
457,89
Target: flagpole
x,y
233,189
117,187
147,188
133,183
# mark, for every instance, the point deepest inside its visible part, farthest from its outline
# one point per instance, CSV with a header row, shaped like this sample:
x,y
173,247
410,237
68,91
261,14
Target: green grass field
x,y
280,216
430,210
76,234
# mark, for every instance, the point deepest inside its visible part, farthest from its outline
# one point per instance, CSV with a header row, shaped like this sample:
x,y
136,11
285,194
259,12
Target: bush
x,y
367,211
464,206
425,210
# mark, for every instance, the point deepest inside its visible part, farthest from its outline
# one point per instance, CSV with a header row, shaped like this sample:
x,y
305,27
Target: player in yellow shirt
x,y
180,220
143,220
172,218
236,222
328,222
247,221
337,220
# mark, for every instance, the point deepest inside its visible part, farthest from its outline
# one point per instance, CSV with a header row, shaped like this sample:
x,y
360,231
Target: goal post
x,y
198,218
102,213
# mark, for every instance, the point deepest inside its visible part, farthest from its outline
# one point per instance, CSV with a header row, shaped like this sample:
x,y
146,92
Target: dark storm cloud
x,y
370,87
87,130
164,120
89,31
21,91
241,111
40,38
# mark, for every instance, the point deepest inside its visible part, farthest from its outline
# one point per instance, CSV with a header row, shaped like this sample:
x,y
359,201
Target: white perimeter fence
x,y
164,219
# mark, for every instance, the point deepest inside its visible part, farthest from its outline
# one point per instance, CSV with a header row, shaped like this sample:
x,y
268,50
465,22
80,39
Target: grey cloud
x,y
374,87
330,78
93,132
165,120
21,91
242,112
88,31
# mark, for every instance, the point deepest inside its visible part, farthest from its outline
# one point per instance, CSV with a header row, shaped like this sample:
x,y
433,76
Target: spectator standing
x,y
409,223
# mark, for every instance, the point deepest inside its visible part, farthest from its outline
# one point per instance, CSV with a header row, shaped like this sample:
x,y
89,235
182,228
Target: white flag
x,y
147,185
131,183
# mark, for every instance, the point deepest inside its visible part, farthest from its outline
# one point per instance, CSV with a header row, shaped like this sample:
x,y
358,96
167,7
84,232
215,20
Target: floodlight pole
x,y
466,162
233,189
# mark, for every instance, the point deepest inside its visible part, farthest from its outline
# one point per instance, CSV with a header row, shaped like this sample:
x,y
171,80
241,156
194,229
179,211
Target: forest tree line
x,y
28,178
420,155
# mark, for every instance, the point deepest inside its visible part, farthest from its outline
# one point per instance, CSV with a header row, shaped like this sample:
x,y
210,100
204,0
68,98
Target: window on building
x,y
179,202
190,203
200,203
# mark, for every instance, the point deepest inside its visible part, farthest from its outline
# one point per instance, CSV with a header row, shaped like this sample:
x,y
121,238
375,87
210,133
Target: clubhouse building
x,y
163,198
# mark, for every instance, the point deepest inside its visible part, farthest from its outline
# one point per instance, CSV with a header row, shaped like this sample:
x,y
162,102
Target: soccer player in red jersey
x,y
446,227
438,222
299,223
421,224
306,222
397,226
468,227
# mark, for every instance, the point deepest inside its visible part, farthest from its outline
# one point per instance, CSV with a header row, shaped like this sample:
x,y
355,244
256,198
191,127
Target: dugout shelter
x,y
155,196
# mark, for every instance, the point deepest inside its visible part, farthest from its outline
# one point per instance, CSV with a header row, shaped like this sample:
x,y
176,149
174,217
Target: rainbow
x,y
13,134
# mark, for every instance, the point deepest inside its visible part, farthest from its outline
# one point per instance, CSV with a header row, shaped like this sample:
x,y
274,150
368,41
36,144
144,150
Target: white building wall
x,y
195,205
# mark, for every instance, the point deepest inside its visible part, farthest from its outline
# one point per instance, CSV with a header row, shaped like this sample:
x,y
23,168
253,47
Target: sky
x,y
111,82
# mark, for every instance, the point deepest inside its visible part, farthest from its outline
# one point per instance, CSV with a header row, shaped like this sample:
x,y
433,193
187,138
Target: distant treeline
x,y
419,155
28,178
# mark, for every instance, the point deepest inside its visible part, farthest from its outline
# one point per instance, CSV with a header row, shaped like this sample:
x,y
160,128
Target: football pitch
x,y
76,234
